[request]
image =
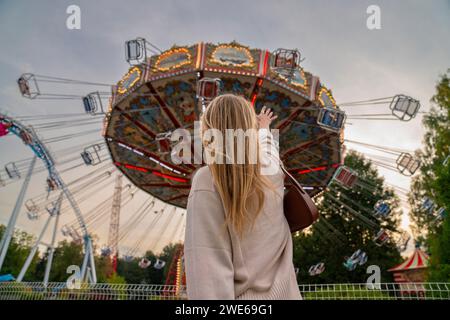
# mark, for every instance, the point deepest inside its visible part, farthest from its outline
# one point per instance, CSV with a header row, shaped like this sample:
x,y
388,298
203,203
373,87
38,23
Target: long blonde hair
x,y
240,186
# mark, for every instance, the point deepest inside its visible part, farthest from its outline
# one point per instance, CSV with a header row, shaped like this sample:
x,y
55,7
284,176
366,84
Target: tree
x,y
167,255
347,224
116,279
71,253
103,268
18,250
129,270
65,255
433,182
434,178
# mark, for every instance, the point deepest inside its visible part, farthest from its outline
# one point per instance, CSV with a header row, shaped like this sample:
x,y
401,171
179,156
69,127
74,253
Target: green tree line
x,y
433,182
70,253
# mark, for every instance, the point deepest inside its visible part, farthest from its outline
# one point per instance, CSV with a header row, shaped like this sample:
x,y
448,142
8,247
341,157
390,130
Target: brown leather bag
x,y
299,209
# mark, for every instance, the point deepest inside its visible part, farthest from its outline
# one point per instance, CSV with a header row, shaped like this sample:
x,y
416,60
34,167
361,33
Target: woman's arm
x,y
268,144
207,249
269,153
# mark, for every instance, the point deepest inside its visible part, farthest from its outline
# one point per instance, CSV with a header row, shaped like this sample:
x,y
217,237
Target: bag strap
x,y
292,179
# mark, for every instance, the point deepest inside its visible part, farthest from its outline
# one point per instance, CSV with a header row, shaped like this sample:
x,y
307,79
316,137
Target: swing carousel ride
x,y
169,91
166,90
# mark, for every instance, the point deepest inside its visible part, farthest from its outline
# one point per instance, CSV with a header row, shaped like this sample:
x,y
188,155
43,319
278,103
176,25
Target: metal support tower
x,y
113,236
9,231
54,212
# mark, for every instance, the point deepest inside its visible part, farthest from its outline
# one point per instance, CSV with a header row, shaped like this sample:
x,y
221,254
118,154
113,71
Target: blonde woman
x,y
238,244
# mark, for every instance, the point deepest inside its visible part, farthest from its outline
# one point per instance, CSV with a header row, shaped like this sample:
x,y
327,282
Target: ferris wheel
x,y
54,183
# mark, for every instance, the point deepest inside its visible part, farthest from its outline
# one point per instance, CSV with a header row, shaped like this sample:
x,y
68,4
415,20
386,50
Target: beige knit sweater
x,y
220,265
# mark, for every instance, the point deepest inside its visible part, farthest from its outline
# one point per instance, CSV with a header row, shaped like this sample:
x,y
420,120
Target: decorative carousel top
x,y
167,91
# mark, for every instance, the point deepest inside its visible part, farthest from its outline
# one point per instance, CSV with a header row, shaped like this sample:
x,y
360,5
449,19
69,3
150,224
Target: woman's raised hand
x,y
265,118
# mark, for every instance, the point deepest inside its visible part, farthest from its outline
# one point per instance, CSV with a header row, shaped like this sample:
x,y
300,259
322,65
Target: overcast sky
x,y
406,56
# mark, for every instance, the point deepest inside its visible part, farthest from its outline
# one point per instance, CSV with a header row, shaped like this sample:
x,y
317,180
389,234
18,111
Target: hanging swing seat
x,y
12,171
358,257
91,155
144,263
363,258
32,215
159,264
28,86
93,103
427,205
441,213
287,59
406,164
30,205
51,184
128,258
382,208
135,51
69,231
105,251
87,158
26,137
208,88
345,177
404,108
65,231
381,237
331,119
316,269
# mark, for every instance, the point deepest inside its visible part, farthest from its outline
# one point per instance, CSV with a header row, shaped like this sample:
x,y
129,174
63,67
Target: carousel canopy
x,y
160,95
418,260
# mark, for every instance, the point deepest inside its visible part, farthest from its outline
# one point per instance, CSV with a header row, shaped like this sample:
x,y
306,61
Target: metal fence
x,y
103,291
